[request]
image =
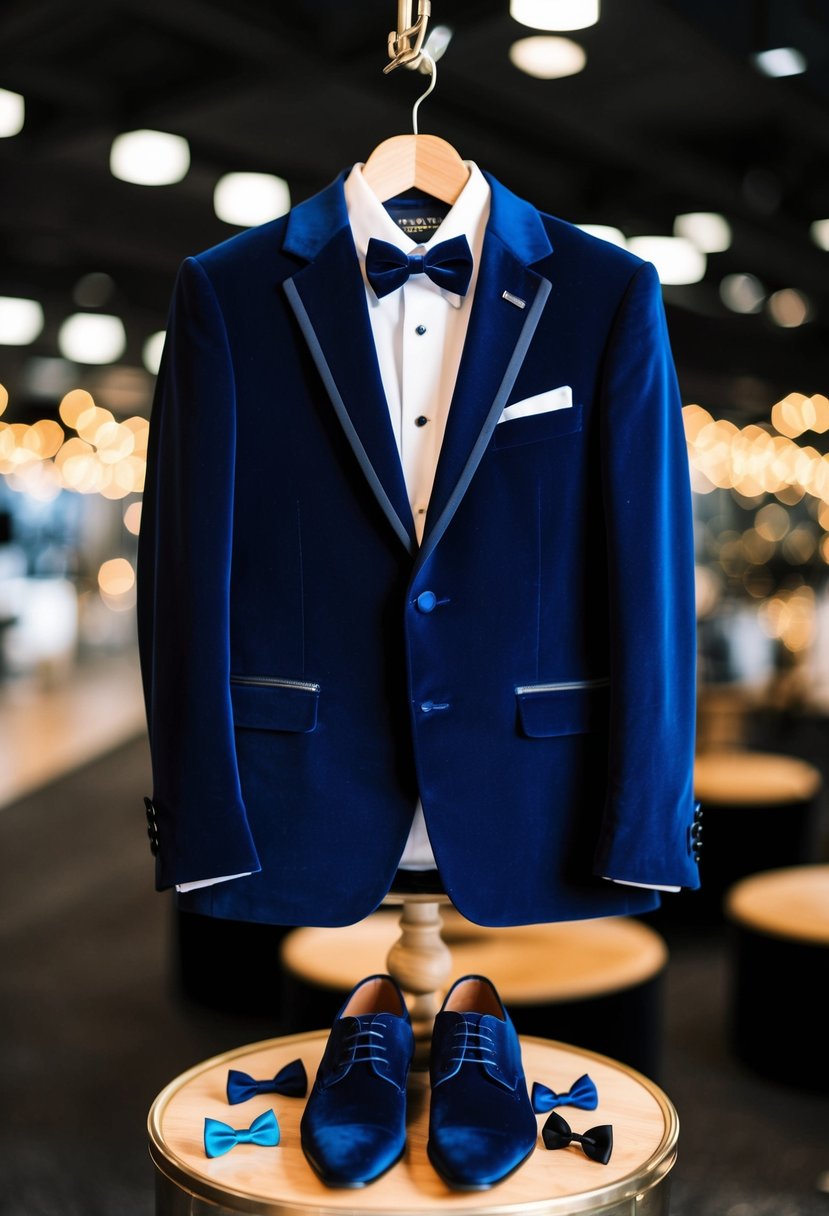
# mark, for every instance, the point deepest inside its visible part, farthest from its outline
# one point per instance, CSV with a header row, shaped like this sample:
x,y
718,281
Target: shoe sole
x,y
476,1186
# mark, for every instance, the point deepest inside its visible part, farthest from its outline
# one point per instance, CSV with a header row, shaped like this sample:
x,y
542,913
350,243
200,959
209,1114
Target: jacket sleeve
x,y
183,576
648,829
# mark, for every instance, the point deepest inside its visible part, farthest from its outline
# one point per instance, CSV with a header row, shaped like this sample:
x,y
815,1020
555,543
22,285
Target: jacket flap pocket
x,y
536,427
568,708
272,704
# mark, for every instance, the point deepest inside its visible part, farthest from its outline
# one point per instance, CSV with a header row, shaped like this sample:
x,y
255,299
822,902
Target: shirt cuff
x,y
209,882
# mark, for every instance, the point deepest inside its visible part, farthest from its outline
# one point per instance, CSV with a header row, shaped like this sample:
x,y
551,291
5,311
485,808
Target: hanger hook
x,y
433,72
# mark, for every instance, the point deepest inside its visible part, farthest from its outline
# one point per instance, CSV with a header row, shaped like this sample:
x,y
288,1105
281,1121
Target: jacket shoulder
x,y
571,243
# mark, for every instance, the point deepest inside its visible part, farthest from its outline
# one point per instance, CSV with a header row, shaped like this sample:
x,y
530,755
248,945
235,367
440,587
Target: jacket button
x,y
426,601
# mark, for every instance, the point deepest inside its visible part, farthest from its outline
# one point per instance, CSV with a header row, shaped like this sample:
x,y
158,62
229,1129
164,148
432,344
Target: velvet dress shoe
x,y
481,1120
353,1127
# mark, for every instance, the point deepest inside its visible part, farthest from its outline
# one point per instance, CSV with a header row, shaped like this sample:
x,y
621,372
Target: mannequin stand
x,y
420,960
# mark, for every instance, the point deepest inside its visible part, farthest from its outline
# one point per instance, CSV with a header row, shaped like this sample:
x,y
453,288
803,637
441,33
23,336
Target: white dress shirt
x,y
419,332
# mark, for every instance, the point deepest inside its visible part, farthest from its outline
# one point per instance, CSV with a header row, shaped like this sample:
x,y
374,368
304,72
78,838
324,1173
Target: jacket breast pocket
x,y
271,703
570,707
537,427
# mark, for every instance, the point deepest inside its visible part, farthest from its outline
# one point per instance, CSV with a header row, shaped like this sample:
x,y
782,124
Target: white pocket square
x,y
554,399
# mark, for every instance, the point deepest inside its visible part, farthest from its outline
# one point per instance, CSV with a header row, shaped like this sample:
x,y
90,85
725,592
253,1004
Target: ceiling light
x,y
12,113
820,233
438,40
605,232
555,14
89,337
677,261
547,58
151,353
789,308
149,158
742,293
20,321
708,230
780,61
247,199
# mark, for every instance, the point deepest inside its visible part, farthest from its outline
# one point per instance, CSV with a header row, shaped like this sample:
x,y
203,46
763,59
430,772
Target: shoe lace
x,y
362,1047
473,1043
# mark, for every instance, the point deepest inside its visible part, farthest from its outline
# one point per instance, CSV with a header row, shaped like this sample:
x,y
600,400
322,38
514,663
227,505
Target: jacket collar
x,y
328,298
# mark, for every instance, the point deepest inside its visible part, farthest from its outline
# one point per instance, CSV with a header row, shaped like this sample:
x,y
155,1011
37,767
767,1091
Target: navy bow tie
x,y
596,1142
220,1138
582,1093
290,1081
449,264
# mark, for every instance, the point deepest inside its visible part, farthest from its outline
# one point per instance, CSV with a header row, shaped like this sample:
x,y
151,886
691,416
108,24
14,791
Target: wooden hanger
x,y
424,162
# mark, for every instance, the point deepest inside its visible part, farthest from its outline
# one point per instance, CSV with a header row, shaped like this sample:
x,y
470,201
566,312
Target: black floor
x,y
93,1026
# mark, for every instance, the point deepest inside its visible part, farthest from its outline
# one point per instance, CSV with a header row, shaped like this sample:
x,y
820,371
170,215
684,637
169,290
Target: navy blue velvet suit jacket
x,y
301,692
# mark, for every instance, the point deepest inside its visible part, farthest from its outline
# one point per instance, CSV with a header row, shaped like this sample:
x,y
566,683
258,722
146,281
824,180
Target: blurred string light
x,y
132,518
116,584
789,308
819,232
752,461
149,158
246,199
547,58
709,231
743,293
555,14
12,113
797,413
790,616
780,61
21,321
4,397
104,457
92,337
677,260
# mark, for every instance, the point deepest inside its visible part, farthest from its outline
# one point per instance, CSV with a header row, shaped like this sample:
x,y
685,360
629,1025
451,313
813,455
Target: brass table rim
x,y
647,1176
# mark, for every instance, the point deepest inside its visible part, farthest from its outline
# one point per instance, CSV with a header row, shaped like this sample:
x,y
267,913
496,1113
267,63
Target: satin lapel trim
x,y
498,338
328,300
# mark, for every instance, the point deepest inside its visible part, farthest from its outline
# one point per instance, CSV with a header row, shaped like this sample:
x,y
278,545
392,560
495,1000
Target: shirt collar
x,y
468,217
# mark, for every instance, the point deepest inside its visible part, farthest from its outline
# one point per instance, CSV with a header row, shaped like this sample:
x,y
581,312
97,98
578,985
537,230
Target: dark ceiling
x,y
669,116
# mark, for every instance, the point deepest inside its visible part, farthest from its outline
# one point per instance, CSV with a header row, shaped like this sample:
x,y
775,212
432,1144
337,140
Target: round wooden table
x,y
279,1182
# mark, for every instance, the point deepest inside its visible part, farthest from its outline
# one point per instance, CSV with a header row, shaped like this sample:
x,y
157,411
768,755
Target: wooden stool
x,y
779,953
279,1181
595,983
760,810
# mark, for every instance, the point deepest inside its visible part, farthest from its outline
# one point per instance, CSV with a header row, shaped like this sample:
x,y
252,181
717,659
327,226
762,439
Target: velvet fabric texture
x,y
300,689
481,1122
353,1127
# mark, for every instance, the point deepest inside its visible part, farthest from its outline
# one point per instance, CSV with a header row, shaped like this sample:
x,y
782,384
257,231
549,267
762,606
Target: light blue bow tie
x,y
219,1138
582,1093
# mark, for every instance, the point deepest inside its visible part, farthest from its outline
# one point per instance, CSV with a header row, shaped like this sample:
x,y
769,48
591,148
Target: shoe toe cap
x,y
468,1156
352,1154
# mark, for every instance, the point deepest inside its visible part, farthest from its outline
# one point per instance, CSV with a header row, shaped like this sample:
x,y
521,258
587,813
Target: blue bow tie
x,y
596,1142
290,1081
219,1138
582,1093
449,264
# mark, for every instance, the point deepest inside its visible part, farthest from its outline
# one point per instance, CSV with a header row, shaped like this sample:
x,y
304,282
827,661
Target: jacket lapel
x,y
497,339
328,299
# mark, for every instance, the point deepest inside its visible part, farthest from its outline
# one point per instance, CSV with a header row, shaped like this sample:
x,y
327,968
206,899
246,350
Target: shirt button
x,y
420,330
421,420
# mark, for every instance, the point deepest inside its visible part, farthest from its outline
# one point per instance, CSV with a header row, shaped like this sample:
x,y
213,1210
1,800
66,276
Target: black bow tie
x,y
448,264
597,1142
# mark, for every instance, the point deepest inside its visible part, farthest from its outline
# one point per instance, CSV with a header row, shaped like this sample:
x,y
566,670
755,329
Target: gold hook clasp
x,y
406,41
